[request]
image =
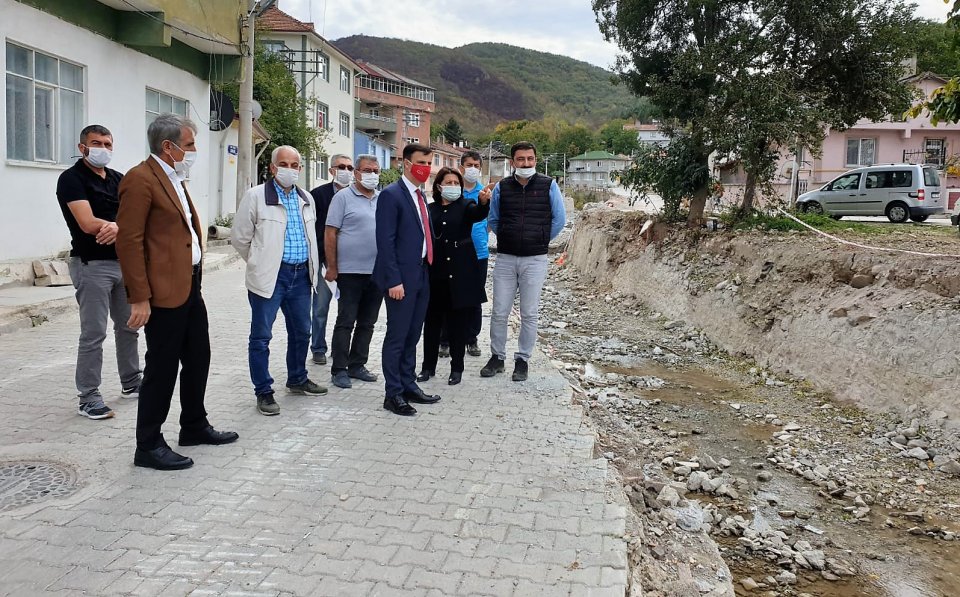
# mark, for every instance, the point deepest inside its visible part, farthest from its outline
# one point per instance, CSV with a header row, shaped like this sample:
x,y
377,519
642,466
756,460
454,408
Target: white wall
x,y
116,79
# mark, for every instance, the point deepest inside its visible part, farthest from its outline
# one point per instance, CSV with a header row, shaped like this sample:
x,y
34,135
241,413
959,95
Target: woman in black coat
x,y
456,275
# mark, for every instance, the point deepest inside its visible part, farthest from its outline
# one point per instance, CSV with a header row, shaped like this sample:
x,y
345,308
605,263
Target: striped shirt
x,y
296,250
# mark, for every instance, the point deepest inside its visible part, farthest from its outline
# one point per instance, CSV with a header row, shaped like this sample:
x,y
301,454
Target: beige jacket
x,y
259,228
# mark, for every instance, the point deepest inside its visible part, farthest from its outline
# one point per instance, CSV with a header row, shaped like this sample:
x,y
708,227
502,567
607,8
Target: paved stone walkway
x,y
493,491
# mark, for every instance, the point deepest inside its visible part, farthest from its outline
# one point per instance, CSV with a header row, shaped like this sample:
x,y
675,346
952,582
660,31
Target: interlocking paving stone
x,y
492,491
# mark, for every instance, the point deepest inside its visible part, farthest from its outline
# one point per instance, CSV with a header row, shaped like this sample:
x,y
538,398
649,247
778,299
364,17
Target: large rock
x,y
669,496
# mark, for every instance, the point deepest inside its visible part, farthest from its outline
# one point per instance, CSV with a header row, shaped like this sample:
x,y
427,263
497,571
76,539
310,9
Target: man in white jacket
x,y
274,231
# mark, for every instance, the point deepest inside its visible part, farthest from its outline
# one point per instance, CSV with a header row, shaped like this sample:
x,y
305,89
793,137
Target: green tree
x,y
672,172
452,131
936,48
943,105
573,140
615,139
747,77
284,111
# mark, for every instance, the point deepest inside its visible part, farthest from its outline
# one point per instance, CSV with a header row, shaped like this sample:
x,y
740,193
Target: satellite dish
x,y
257,109
221,111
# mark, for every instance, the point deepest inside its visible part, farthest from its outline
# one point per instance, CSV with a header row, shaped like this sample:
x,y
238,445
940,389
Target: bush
x,y
225,221
582,197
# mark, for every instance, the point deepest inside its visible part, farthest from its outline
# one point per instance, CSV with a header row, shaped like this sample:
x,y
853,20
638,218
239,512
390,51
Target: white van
x,y
898,191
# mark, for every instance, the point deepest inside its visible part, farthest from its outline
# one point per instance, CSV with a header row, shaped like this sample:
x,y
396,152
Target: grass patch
x,y
778,223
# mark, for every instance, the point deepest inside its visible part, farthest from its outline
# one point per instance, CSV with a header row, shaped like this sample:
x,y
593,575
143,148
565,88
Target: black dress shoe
x,y
398,406
161,458
425,375
454,378
207,435
419,397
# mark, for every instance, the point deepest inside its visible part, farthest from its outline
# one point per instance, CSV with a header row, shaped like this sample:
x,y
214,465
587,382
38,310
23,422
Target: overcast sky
x,y
566,27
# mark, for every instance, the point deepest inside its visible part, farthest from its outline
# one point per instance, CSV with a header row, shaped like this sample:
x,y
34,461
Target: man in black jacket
x,y
526,212
341,172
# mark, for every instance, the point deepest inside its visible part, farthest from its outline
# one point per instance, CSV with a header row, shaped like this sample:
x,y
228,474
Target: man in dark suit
x,y
158,245
404,251
341,171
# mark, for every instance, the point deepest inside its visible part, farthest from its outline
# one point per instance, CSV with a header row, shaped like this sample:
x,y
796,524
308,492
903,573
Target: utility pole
x,y
795,175
245,137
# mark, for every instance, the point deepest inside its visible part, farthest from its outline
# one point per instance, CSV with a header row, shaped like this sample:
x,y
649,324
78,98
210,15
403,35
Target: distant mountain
x,y
484,84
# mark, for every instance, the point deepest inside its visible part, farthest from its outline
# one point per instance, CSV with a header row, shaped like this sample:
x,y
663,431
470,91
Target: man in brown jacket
x,y
160,257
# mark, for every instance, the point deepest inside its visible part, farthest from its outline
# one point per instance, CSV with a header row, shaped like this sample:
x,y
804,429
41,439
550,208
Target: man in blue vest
x,y
526,213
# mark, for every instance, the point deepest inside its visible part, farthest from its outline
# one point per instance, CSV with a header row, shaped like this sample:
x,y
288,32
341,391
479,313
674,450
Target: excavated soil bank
x,y
879,329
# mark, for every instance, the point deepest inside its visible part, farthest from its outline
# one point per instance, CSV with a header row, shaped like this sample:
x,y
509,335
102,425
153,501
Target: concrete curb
x,y
34,314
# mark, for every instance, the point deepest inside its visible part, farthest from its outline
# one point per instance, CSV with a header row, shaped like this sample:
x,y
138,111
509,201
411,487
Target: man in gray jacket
x,y
274,231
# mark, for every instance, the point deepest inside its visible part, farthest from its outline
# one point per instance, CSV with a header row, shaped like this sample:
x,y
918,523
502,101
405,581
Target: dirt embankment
x,y
876,328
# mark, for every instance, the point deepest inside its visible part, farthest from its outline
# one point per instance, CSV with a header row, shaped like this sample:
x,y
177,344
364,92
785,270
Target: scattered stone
x,y
861,280
698,481
669,496
815,558
918,453
749,584
735,405
764,476
672,325
609,455
786,578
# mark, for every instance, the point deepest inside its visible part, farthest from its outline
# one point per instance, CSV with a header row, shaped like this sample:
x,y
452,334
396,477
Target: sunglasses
x,y
344,167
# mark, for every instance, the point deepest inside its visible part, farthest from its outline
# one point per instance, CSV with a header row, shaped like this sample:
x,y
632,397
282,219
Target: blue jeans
x,y
292,296
321,308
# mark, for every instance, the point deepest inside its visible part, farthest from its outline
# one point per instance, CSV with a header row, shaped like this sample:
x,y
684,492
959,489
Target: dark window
x,y
930,177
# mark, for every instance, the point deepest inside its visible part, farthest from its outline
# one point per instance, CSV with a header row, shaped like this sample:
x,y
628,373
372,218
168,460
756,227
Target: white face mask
x,y
98,157
525,172
450,193
183,168
369,180
471,174
343,177
287,177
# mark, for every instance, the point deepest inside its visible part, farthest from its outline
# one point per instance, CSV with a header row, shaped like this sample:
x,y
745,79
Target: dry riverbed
x,y
798,494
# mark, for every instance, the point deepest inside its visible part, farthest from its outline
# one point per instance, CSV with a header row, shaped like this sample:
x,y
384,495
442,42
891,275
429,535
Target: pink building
x,y
895,140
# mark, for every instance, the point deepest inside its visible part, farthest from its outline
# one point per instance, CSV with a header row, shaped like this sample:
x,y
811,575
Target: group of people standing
x,y
137,256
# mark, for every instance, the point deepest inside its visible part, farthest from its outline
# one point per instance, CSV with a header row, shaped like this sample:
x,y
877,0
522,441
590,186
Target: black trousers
x,y
357,311
476,319
177,339
457,323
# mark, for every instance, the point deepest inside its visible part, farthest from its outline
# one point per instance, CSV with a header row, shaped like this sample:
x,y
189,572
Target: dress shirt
x,y
416,206
296,249
178,187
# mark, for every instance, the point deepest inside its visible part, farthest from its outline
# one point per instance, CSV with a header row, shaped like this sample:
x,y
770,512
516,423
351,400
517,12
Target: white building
x,y
595,169
324,76
88,62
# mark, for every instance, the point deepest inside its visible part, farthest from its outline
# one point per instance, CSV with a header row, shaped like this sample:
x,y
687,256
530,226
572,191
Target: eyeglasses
x,y
369,171
344,167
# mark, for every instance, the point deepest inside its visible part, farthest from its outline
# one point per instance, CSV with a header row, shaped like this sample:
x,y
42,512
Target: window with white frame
x,y
44,106
323,167
323,116
323,66
344,124
436,159
935,150
413,139
861,152
412,118
159,103
345,79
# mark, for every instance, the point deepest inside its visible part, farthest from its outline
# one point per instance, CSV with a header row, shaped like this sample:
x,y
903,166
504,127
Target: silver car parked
x,y
898,191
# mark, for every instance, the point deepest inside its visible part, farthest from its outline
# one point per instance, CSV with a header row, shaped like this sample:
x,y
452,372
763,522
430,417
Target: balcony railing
x,y
375,122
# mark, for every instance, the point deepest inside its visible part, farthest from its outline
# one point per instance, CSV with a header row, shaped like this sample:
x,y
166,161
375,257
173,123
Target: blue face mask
x,y
450,193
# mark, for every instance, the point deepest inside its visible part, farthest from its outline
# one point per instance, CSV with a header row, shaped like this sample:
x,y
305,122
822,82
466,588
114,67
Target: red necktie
x,y
427,235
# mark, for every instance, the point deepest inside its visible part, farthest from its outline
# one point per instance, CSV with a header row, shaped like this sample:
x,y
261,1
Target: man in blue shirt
x,y
470,164
526,213
274,231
